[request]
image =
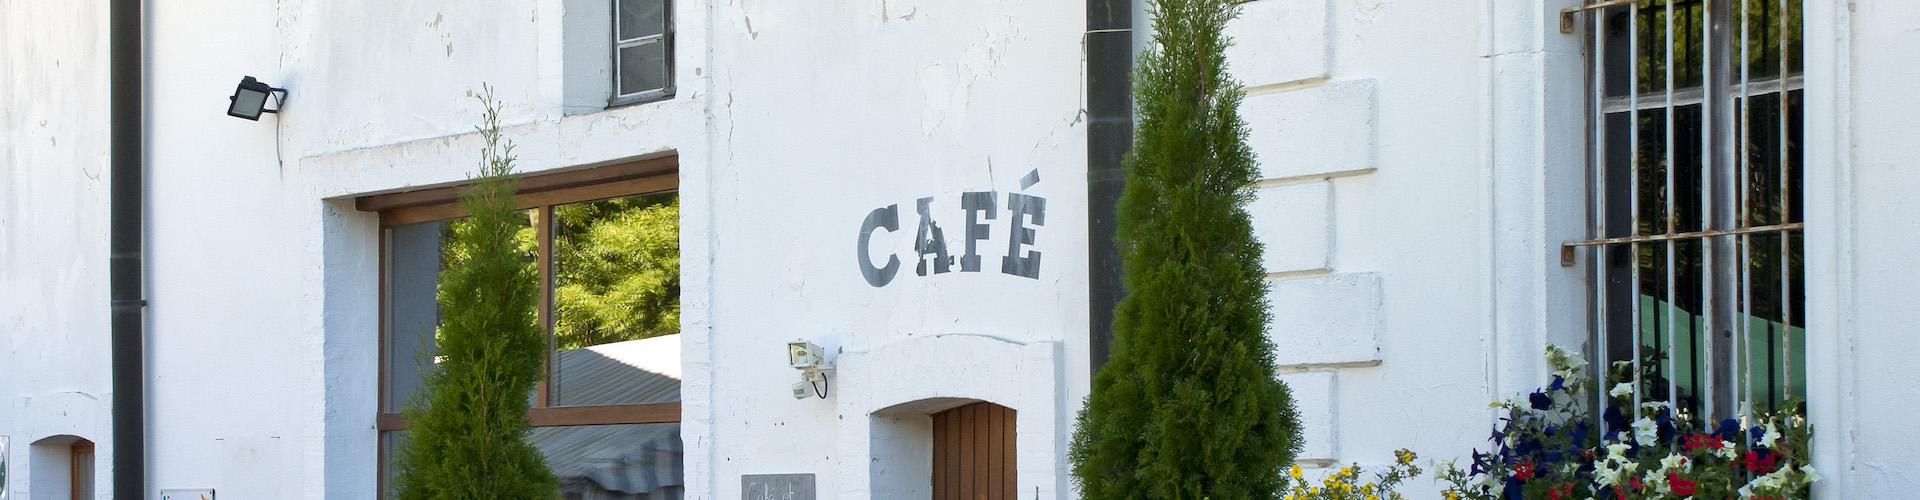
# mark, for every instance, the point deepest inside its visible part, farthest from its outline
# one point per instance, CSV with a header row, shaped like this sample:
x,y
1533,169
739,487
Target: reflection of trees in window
x,y
451,255
616,270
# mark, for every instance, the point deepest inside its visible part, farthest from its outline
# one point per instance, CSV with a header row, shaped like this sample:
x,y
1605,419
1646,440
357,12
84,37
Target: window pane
x,y
643,68
640,18
616,278
628,462
413,269
416,254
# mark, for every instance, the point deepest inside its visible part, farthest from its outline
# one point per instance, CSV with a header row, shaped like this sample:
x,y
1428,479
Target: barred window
x,y
1695,163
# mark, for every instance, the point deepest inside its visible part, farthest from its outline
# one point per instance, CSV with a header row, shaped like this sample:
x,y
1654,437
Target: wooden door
x,y
973,453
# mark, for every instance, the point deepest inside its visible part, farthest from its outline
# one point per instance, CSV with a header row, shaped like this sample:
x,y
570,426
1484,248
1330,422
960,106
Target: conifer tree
x,y
1187,406
468,427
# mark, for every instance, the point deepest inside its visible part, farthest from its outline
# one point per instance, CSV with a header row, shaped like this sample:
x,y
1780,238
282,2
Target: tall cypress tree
x,y
468,427
1187,406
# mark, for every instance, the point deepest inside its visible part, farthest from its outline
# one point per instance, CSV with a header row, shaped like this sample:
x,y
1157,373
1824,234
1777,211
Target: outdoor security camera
x,y
803,354
812,363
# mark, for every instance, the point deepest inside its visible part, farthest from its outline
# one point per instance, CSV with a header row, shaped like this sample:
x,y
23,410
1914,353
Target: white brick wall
x,y
1320,131
1294,223
1326,320
1313,399
1279,41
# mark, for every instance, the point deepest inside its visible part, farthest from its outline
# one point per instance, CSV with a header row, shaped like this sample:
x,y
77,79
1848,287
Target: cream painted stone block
x,y
1313,400
1294,223
1279,41
1326,130
1326,320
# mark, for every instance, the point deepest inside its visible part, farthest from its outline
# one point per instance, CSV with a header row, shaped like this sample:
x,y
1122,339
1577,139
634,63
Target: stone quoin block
x,y
1326,130
1294,223
1326,320
1279,41
1313,401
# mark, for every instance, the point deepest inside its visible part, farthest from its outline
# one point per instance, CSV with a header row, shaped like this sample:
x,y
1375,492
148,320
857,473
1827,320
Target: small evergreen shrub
x,y
468,426
1187,406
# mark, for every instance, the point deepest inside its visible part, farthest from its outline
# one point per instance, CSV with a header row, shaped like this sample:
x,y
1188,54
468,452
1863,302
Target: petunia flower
x,y
1540,400
1770,437
1620,390
1680,486
1646,432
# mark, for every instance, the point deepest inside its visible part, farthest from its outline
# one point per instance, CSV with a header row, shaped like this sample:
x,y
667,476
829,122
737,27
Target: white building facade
x,y
913,185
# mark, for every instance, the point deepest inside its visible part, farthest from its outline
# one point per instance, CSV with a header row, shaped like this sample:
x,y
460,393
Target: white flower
x,y
1645,432
1618,450
1606,476
1770,437
1673,462
1726,450
1811,476
1621,389
1566,362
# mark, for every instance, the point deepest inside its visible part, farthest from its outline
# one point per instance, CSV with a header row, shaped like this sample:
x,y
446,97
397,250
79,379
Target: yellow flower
x,y
1295,472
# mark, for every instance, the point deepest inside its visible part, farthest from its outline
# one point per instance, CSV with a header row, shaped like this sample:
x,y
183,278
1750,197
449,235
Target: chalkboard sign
x,y
776,487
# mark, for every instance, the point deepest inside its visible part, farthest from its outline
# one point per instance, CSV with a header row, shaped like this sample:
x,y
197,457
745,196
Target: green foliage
x,y
617,272
1345,483
1187,406
468,428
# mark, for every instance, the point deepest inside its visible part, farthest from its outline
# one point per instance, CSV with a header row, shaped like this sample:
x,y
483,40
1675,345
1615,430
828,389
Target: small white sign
x,y
200,494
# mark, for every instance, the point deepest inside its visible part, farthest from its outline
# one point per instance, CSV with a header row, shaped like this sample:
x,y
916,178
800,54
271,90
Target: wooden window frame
x,y
534,192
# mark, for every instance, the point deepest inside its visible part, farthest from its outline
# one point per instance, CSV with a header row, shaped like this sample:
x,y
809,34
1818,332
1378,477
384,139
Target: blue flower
x,y
1540,400
1558,383
1614,419
1728,430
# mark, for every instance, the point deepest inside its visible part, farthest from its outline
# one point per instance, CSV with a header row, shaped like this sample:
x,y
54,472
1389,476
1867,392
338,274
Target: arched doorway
x,y
973,453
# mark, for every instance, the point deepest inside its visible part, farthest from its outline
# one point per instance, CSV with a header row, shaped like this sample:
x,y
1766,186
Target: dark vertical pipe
x,y
1109,137
124,268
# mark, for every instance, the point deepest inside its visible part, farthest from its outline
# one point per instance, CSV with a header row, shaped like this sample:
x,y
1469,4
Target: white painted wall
x,y
53,232
1414,184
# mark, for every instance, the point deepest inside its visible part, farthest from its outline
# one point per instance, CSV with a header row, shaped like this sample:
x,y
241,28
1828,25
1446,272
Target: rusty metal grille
x,y
1696,224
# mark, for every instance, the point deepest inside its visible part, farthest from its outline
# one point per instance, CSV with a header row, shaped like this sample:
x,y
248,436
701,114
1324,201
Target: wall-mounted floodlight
x,y
250,99
812,363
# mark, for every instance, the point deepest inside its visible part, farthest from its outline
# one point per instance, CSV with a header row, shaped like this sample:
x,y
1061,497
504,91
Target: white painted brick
x,y
1294,223
1323,130
1325,320
1313,400
1279,41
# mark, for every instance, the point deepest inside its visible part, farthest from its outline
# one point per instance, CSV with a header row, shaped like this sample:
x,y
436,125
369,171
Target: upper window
x,y
642,51
605,244
1696,164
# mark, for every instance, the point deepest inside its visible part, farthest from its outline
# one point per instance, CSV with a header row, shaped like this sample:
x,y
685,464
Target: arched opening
x,y
62,468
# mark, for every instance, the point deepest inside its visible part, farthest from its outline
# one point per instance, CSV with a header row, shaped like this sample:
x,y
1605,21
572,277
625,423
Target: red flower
x,y
1523,471
1761,463
1635,482
1698,441
1680,485
1553,493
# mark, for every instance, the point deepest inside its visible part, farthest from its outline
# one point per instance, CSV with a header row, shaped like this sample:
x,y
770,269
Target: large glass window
x,y
605,243
1696,165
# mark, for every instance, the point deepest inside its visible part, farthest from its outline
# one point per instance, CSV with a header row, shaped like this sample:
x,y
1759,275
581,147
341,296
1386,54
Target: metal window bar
x,y
1719,258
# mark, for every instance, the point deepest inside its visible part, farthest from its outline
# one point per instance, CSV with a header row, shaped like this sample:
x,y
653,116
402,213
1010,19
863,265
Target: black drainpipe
x,y
124,268
1109,137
